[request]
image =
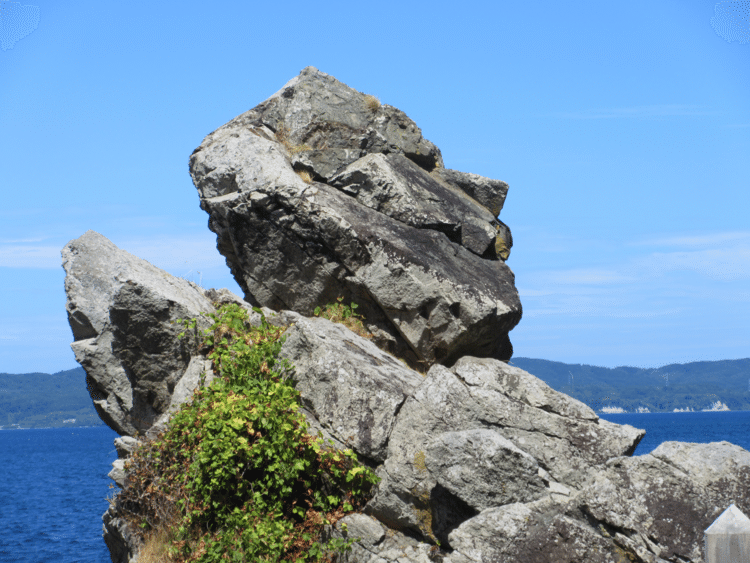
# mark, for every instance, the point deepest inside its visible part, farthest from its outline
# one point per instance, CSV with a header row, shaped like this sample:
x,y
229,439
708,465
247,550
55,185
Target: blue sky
x,y
622,128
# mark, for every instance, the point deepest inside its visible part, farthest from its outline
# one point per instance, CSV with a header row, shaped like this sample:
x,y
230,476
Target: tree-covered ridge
x,y
692,386
42,400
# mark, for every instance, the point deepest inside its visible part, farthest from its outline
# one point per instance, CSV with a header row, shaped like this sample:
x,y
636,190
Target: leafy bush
x,y
236,476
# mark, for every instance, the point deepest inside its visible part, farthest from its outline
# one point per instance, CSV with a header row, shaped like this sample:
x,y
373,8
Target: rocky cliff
x,y
321,192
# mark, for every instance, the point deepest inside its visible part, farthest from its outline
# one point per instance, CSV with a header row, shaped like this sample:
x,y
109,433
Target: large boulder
x,y
349,388
321,192
646,509
479,462
653,508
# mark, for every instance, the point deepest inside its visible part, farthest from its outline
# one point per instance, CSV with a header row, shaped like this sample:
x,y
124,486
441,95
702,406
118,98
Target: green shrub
x,y
236,473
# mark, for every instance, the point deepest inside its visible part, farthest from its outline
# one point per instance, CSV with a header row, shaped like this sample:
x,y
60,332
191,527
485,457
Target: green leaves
x,y
251,481
344,314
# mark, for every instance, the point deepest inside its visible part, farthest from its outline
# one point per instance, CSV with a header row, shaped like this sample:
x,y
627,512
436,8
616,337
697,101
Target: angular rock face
x,y
651,508
647,509
483,457
379,221
119,309
350,388
487,434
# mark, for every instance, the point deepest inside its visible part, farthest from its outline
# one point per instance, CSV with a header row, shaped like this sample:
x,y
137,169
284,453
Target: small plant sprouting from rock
x,y
305,175
345,314
236,476
372,103
282,135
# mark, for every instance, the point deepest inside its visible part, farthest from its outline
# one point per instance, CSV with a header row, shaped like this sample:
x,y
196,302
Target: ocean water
x,y
53,484
54,481
701,427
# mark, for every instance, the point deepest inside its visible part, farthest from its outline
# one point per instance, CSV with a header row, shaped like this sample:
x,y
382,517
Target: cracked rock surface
x,y
314,194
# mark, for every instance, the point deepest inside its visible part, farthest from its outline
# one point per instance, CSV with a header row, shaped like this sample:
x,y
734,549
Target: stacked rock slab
x,y
482,457
321,192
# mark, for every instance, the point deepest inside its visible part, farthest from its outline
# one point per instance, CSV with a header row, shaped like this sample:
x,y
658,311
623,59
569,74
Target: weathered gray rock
x,y
350,388
420,256
474,466
490,193
482,457
125,445
380,544
120,536
119,309
647,509
478,413
395,186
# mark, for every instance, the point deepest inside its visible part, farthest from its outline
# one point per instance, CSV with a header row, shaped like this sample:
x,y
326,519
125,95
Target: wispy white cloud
x,y
70,211
709,239
602,311
29,256
13,241
41,327
171,253
719,256
635,112
590,276
717,264
648,280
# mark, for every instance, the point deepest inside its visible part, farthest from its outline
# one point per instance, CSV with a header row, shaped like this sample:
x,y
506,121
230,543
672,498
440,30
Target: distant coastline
x,y
710,386
61,400
718,406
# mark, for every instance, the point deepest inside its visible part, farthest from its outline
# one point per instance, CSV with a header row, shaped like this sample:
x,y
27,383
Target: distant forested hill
x,y
43,400
695,385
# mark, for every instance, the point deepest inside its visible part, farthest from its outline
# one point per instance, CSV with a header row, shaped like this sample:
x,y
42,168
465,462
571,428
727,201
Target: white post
x,y
727,540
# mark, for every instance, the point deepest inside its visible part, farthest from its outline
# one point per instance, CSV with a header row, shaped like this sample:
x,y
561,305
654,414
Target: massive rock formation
x,y
321,192
480,461
482,457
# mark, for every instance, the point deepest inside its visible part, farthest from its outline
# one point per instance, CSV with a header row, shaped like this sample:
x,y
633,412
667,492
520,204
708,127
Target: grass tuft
x,y
372,103
282,135
344,314
305,175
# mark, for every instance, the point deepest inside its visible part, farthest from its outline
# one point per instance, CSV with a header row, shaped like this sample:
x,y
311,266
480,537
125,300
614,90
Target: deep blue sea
x,y
53,484
54,481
